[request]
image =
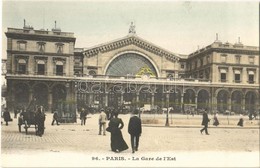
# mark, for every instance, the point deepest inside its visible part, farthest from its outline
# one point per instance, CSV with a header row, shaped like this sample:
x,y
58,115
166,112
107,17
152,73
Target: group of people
x,y
206,120
115,125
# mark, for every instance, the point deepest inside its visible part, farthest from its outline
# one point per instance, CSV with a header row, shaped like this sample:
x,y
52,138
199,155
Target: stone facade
x,y
128,73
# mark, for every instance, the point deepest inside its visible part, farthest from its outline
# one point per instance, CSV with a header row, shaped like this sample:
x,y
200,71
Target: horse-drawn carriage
x,y
28,120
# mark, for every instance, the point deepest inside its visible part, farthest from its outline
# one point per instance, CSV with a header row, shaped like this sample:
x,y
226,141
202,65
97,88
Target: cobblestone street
x,y
76,145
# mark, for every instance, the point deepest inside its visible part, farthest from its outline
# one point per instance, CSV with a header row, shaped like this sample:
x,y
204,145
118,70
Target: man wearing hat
x,y
135,130
102,122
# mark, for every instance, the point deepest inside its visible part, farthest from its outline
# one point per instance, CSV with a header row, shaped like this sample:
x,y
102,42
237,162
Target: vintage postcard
x,y
130,83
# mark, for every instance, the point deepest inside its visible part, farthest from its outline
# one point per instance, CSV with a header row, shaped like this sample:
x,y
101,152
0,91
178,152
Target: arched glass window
x,y
131,64
59,68
40,67
21,66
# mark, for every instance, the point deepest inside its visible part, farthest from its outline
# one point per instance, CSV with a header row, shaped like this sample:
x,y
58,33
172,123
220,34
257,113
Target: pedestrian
x,y
39,119
83,116
215,119
240,121
16,111
108,113
55,118
115,125
7,116
102,122
135,130
205,121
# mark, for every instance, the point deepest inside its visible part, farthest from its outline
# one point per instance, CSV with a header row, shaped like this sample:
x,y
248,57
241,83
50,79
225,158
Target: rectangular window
x,y
22,68
237,78
41,69
237,59
251,78
223,58
22,46
223,77
182,66
251,60
59,70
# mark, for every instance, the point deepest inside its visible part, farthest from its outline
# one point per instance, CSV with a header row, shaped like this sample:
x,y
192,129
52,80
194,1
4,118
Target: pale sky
x,y
177,26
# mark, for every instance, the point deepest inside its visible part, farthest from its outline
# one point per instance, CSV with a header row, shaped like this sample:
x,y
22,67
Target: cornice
x,y
131,40
37,53
37,37
236,65
236,51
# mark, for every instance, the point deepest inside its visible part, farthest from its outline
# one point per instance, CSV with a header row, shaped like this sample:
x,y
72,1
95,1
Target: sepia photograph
x,y
150,83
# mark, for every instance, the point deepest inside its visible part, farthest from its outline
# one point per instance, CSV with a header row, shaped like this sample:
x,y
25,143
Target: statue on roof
x,y
132,28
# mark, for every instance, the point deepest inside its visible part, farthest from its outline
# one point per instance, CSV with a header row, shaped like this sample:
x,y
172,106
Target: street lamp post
x,y
76,102
167,113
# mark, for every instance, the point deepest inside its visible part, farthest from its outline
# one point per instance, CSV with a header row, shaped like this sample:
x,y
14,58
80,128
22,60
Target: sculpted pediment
x,y
131,40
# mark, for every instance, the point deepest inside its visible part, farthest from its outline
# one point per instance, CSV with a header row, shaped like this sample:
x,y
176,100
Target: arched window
x,y
40,67
59,68
21,66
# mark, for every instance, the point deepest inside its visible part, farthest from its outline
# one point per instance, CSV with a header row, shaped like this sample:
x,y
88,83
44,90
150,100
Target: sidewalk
x,y
73,145
188,121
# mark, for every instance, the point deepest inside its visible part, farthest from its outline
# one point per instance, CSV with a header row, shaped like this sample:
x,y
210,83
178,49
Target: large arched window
x,y
131,64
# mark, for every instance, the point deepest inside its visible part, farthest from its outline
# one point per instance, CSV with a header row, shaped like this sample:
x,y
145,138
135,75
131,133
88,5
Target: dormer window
x,y
41,46
59,48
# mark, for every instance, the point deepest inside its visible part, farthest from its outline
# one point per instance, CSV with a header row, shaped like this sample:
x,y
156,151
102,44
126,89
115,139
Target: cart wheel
x,y
19,127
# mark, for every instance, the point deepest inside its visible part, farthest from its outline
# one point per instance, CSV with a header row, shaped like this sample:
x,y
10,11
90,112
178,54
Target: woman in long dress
x,y
241,121
216,122
115,125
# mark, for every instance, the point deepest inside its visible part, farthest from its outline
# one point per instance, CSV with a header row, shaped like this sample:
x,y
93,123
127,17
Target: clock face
x,y
131,64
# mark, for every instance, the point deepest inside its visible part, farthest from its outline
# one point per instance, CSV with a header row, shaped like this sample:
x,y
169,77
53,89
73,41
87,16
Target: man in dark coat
x,y
205,121
135,130
83,116
7,116
55,118
40,118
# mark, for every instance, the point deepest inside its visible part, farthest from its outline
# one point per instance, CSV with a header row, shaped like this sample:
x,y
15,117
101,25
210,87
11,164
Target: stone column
x,y
167,99
106,99
230,75
121,98
229,103
30,94
182,104
196,101
152,102
243,102
50,100
137,99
